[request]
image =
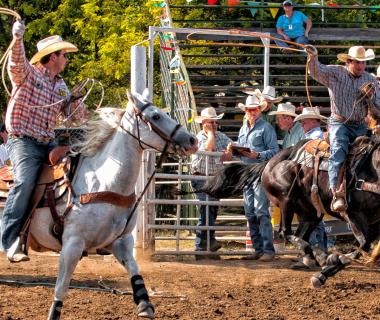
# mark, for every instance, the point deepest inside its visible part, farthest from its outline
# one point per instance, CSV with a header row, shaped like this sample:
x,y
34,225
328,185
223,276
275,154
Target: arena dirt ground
x,y
208,289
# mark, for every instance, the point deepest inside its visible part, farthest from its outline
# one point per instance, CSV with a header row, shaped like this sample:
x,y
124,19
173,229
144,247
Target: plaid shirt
x,y
344,89
198,162
33,87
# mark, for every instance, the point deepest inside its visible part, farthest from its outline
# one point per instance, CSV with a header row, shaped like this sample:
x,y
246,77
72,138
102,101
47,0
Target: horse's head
x,y
156,128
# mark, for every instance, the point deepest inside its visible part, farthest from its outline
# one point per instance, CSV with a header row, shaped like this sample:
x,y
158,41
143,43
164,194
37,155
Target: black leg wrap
x,y
331,270
139,290
55,310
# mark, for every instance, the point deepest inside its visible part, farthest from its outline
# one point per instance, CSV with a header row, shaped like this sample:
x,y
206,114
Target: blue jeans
x,y
201,235
341,135
256,208
300,40
27,157
318,237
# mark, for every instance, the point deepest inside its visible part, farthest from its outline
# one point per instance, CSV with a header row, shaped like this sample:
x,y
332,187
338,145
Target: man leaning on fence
x,y
209,139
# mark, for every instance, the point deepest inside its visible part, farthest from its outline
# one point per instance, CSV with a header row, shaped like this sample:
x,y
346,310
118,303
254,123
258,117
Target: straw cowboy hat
x,y
51,44
310,113
269,93
208,114
285,109
252,102
357,53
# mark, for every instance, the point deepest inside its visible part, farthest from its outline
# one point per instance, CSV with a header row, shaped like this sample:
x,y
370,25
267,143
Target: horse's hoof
x,y
318,280
315,282
145,310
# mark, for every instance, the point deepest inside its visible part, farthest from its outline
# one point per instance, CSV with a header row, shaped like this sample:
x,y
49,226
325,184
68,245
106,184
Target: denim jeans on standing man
x,y
27,157
256,208
201,235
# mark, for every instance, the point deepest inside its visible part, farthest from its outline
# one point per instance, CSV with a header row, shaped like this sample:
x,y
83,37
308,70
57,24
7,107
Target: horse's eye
x,y
156,117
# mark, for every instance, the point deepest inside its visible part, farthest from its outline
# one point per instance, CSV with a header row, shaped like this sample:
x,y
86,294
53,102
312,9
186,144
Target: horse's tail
x,y
230,181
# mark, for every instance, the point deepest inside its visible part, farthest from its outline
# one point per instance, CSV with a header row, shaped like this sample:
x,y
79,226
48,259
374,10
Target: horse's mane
x,y
98,131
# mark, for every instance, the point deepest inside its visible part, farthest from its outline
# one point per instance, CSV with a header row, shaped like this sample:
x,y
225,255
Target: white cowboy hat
x,y
252,102
310,113
358,53
208,114
285,109
51,44
269,93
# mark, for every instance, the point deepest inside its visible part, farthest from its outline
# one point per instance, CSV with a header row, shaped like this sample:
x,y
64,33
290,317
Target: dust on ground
x,y
208,289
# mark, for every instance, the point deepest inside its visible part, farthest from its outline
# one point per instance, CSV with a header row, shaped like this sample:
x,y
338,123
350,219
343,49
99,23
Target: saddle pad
x,y
306,159
6,173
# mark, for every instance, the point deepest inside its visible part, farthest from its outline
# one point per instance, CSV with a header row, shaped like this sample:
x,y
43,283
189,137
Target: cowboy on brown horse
x,y
352,90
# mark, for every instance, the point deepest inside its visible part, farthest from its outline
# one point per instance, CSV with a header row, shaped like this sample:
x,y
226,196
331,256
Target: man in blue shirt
x,y
285,114
290,26
260,137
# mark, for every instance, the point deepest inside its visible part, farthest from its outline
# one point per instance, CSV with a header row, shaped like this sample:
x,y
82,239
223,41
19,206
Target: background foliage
x,y
103,30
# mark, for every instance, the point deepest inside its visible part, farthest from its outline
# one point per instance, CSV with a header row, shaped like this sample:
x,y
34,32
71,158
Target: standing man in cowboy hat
x,y
39,95
310,119
260,137
351,89
285,116
269,96
209,139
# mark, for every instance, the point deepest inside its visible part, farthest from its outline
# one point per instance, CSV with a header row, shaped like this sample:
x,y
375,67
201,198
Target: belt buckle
x,y
359,184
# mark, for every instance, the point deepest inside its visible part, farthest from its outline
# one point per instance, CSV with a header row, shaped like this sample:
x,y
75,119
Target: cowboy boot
x,y
338,203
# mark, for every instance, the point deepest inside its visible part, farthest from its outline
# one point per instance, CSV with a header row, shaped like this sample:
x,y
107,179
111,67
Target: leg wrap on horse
x,y
55,310
334,264
139,290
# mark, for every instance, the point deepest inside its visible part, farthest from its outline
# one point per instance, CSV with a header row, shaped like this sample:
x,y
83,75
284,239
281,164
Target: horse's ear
x,y
145,94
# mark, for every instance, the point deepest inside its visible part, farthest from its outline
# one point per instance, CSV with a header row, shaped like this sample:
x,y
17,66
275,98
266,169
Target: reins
x,y
160,160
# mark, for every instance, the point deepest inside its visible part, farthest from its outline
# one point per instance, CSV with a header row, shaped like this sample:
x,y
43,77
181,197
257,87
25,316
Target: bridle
x,y
138,112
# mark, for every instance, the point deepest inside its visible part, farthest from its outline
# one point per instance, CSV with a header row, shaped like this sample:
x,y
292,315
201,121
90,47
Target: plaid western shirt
x,y
32,87
344,89
198,162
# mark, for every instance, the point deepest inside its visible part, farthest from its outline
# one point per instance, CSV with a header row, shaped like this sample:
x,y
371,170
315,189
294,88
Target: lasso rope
x,y
5,56
4,60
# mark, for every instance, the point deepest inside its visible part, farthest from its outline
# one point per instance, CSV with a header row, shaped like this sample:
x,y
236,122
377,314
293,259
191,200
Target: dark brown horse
x,y
288,184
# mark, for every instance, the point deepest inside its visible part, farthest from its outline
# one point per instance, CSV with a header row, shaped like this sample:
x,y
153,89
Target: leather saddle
x,y
51,185
318,147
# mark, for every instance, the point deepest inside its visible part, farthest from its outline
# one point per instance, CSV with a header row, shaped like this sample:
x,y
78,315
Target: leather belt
x,y
38,140
344,119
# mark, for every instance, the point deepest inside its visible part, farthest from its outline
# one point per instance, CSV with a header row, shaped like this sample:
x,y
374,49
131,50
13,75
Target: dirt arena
x,y
225,289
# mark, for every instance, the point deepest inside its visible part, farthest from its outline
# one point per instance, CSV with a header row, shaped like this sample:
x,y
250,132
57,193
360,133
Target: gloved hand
x,y
77,92
368,90
18,29
311,50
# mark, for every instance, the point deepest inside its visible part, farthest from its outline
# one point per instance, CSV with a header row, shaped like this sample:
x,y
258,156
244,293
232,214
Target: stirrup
x,y
341,208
